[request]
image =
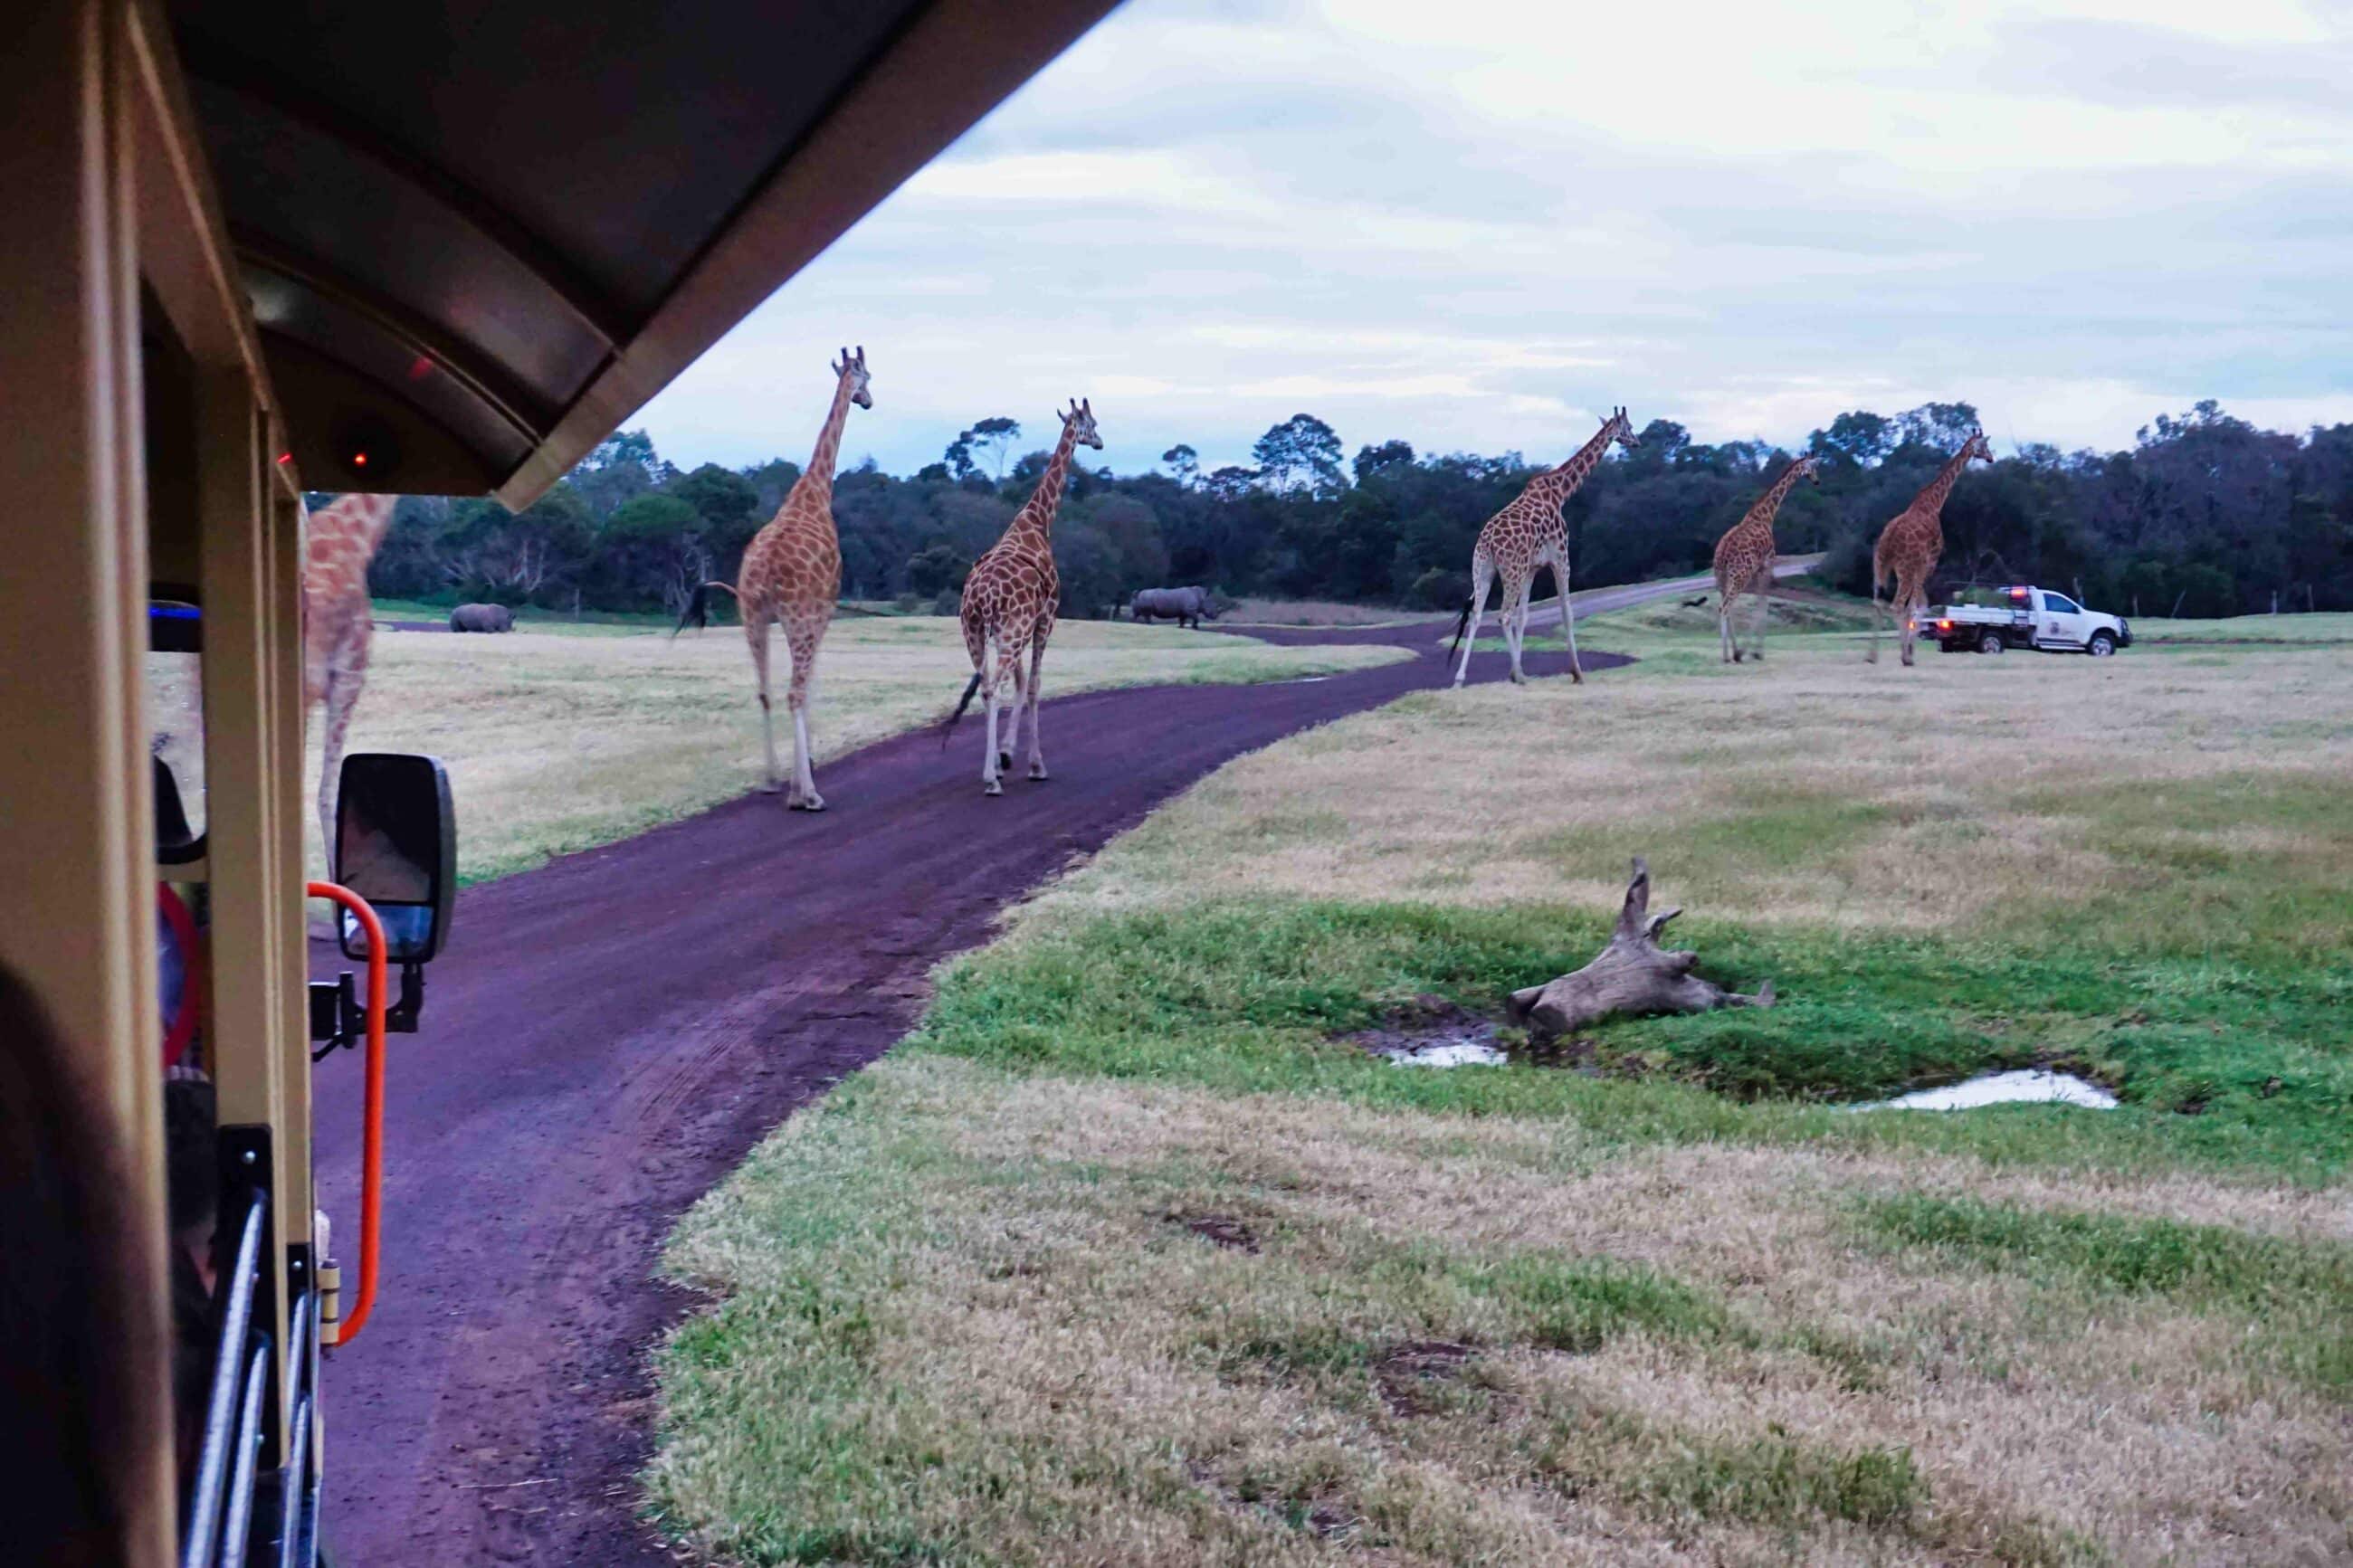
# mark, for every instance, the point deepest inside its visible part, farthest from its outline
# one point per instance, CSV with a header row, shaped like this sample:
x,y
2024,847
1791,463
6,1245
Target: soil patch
x,y
1222,1229
1406,1373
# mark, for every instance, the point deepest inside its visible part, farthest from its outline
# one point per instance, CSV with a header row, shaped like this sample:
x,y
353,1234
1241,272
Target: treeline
x,y
2205,515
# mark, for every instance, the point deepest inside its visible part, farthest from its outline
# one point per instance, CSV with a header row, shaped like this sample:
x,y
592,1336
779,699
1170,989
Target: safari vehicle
x,y
253,246
2024,617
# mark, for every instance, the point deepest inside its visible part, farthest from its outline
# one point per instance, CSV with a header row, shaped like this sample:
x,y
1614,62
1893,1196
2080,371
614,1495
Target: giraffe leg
x,y
1515,626
1568,623
755,631
1764,612
346,672
1871,656
803,646
1727,645
1527,607
1483,577
338,716
1911,599
1012,741
1036,683
992,669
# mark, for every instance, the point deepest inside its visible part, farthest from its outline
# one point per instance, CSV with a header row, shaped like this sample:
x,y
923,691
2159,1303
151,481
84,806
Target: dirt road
x,y
604,1039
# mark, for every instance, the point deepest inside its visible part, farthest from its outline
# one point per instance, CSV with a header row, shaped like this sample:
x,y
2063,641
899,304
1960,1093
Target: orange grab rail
x,y
372,1114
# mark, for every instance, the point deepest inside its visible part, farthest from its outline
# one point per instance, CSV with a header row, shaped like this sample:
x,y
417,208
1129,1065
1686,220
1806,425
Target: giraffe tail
x,y
698,606
1461,624
947,725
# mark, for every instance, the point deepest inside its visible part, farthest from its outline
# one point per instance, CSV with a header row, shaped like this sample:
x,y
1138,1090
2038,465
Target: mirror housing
x,y
396,846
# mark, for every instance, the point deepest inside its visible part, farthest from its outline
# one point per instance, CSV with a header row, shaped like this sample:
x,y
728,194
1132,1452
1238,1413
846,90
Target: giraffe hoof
x,y
992,787
1037,773
809,803
772,787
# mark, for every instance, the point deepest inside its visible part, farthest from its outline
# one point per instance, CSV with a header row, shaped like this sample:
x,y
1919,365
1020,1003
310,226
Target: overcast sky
x,y
1474,224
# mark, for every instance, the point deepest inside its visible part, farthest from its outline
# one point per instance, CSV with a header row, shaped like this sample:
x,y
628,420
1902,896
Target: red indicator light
x,y
359,460
284,457
419,368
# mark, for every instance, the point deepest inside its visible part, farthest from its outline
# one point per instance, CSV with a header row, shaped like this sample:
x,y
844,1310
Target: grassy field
x,y
560,738
1310,612
1130,1255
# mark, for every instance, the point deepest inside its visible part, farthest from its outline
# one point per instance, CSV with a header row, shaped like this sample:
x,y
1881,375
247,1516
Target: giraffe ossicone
x,y
1912,543
1527,534
791,576
1743,559
1011,602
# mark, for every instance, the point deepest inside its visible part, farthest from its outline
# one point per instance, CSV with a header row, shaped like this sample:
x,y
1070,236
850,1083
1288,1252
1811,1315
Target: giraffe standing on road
x,y
792,574
339,539
1525,535
1008,609
1911,544
1743,559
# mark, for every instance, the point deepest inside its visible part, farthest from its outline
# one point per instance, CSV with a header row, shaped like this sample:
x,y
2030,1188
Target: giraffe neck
x,y
1558,484
1931,499
828,456
1047,500
1768,506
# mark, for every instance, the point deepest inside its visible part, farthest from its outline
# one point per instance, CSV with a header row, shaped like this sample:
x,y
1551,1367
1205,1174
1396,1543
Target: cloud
x,y
1470,225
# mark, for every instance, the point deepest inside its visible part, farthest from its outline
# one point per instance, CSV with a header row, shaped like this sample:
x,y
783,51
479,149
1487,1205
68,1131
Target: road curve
x,y
608,1036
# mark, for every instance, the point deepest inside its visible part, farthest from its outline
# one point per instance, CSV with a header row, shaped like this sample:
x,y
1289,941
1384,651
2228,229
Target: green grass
x,y
2294,1297
2230,1061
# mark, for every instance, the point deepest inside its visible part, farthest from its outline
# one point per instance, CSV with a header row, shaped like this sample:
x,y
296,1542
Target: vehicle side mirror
x,y
396,846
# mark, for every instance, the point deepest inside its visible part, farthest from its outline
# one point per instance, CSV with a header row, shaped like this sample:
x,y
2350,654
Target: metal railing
x,y
222,1501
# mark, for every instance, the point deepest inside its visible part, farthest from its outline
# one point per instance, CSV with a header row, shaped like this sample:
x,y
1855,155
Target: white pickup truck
x,y
2025,617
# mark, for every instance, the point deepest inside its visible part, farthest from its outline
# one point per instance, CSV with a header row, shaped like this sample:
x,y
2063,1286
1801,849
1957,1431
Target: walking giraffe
x,y
339,541
1911,544
1743,559
1009,602
1525,535
792,574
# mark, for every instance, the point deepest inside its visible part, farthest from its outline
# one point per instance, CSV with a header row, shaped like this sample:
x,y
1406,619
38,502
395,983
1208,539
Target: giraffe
x,y
1743,559
1009,601
792,574
1910,545
1525,535
339,541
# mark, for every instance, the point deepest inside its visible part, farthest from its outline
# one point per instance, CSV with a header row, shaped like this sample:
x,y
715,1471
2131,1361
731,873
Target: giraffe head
x,y
1620,429
1807,467
1081,421
1977,449
852,369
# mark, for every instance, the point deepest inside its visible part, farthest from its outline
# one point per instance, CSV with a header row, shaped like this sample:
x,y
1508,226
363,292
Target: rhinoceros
x,y
1186,606
482,618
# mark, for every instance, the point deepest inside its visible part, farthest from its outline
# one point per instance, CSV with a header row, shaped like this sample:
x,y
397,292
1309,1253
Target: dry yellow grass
x,y
1086,1378
1815,789
558,741
979,1310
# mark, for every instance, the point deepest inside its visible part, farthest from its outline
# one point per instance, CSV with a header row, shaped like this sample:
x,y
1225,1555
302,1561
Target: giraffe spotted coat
x,y
1009,604
1530,533
1743,559
339,539
1912,543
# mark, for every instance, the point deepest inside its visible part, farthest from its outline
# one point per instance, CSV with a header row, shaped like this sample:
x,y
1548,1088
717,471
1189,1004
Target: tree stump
x,y
1633,976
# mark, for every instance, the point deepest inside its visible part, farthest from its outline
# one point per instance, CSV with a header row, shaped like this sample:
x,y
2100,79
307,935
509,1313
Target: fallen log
x,y
1633,976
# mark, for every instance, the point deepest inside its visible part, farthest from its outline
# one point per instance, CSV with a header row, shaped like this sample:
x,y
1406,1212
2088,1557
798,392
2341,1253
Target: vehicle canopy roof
x,y
477,238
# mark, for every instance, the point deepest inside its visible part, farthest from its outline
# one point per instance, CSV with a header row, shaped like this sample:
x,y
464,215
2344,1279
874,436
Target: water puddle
x,y
1431,1032
2027,1086
1447,1053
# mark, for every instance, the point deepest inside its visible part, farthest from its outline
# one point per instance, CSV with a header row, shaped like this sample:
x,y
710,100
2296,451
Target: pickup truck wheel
x,y
1990,642
2102,644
